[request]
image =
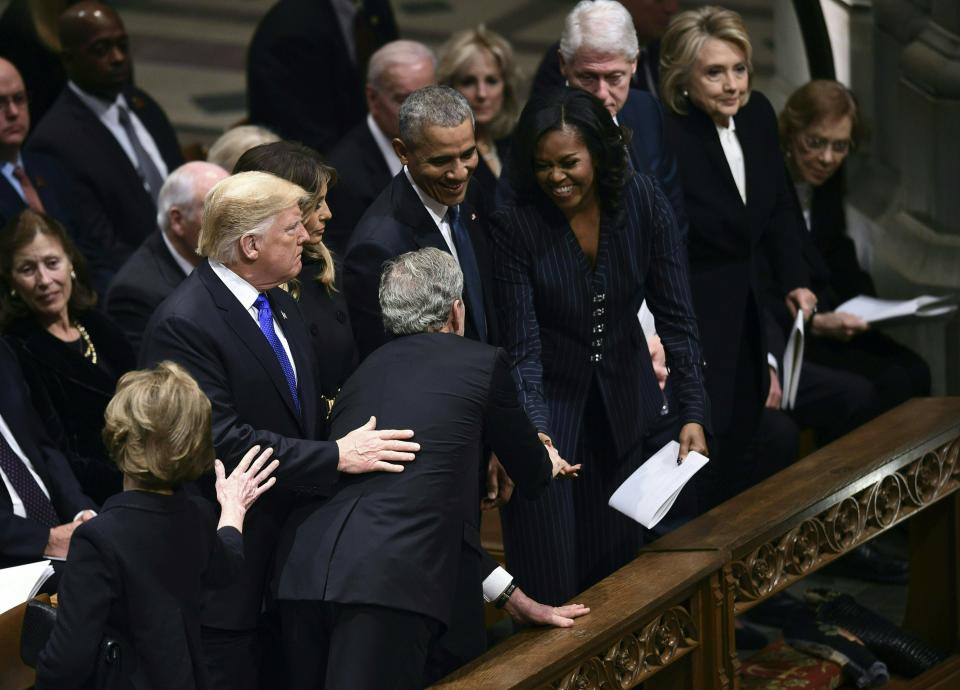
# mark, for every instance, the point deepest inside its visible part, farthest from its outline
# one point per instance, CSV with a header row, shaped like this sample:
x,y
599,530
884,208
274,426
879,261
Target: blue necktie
x,y
35,502
471,272
265,319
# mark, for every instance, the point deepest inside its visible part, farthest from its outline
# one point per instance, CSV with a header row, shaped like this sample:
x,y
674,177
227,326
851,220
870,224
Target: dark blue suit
x,y
584,373
52,185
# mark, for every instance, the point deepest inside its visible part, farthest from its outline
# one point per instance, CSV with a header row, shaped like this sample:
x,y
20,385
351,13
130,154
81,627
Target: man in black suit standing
x,y
244,341
168,255
364,158
306,66
29,180
428,204
112,138
377,571
41,502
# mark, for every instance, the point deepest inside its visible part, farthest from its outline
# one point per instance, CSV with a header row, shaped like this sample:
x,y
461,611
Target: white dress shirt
x,y
385,145
7,171
108,114
734,154
246,294
438,212
17,504
184,265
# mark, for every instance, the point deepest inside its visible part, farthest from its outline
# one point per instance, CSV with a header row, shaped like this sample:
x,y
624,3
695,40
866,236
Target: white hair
x,y
236,141
602,26
417,291
179,189
401,53
432,106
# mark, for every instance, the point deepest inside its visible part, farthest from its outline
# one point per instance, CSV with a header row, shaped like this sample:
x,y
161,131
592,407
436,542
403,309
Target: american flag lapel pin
x,y
473,216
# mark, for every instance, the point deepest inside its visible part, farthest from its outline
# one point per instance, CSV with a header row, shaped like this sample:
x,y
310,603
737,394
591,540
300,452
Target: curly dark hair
x,y
562,108
18,233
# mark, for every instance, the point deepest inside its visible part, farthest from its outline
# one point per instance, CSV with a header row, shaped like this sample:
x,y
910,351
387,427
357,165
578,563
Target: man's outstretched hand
x,y
526,611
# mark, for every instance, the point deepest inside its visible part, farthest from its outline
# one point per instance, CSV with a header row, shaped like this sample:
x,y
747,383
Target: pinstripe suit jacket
x,y
565,324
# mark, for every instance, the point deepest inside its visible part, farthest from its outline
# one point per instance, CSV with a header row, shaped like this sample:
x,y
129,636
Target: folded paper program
x,y
648,494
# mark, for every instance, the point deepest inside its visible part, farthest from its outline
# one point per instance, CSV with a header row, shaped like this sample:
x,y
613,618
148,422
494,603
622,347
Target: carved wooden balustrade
x,y
904,465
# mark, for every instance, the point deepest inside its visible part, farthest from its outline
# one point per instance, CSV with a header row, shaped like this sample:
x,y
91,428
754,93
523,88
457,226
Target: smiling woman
x,y
71,355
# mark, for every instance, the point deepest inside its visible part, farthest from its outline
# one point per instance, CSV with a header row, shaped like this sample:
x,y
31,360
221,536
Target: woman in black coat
x,y
135,572
71,354
318,289
586,242
740,207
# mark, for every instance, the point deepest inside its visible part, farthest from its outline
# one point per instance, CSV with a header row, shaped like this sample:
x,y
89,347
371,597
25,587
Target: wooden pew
x,y
904,465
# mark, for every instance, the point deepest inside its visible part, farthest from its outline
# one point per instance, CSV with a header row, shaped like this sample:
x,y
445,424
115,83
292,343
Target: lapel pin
x,y
473,216
282,314
40,181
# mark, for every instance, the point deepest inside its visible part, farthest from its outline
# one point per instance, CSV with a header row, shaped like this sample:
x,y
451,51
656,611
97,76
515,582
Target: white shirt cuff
x,y
772,361
495,583
77,516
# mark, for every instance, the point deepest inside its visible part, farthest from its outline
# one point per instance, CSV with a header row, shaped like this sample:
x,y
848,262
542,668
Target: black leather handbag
x,y
38,621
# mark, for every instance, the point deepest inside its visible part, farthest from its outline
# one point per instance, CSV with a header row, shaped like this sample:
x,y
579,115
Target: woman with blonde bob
x,y
740,207
136,571
480,64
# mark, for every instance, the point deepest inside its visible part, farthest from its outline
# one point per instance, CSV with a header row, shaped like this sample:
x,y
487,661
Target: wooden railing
x,y
667,618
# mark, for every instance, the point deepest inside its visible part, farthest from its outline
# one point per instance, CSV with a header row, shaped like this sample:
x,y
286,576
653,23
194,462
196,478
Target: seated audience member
x,y
41,503
318,288
28,38
373,575
71,354
650,20
306,64
819,126
364,159
598,54
29,180
480,64
167,256
112,138
236,141
428,204
135,572
244,341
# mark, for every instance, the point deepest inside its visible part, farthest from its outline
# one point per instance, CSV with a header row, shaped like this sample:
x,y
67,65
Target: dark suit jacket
x,y
136,571
204,328
39,65
410,540
566,325
396,223
548,74
114,213
362,174
23,540
70,393
726,237
142,283
53,187
301,82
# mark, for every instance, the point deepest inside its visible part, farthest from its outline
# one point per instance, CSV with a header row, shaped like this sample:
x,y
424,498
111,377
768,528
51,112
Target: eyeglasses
x,y
817,144
18,99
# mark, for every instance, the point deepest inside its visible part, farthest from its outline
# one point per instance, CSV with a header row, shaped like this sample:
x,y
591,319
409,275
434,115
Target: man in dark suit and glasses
x,y
374,573
168,255
244,341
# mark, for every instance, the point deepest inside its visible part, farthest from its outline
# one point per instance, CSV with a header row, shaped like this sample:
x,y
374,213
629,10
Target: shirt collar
x,y
100,107
241,289
8,166
385,146
436,210
727,131
184,265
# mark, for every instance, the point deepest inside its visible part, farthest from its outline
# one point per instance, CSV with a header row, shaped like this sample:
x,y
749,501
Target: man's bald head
x,y
14,111
95,48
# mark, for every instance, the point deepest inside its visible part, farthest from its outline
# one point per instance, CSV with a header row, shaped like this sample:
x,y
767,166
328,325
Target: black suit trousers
x,y
355,646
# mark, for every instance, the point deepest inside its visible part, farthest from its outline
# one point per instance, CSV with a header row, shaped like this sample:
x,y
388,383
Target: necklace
x,y
89,351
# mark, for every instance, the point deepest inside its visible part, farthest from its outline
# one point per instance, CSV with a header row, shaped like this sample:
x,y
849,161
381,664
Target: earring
x,y
13,293
73,274
686,94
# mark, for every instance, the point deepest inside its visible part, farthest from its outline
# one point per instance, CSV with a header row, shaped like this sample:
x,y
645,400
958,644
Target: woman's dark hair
x,y
20,231
565,108
303,166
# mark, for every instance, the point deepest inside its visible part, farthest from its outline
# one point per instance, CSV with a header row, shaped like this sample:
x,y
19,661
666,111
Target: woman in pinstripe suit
x,y
587,241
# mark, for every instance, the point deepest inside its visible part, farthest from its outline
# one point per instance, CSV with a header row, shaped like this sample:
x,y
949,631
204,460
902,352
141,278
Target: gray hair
x,y
233,143
602,26
432,106
401,53
417,291
179,190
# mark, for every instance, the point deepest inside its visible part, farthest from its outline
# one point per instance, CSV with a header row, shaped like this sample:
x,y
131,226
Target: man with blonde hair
x,y
244,341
